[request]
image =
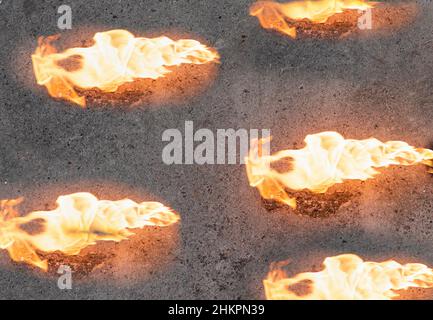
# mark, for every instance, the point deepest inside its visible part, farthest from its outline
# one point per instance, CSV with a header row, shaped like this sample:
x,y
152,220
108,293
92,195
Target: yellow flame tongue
x,y
274,15
117,57
79,220
348,277
327,159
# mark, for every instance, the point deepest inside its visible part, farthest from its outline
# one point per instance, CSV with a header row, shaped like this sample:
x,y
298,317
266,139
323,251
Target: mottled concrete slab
x,y
367,84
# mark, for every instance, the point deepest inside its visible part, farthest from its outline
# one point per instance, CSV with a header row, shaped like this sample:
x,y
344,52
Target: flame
x,y
79,220
117,57
275,15
327,159
348,277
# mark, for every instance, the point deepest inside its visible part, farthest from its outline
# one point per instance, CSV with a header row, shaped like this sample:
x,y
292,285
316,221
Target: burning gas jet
x,y
79,221
348,277
277,16
116,57
327,159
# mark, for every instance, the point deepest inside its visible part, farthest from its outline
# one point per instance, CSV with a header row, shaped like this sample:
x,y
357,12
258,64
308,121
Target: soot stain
x,y
314,205
81,265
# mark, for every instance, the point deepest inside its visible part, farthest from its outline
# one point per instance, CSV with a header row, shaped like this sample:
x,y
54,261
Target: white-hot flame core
x,y
327,159
348,277
275,15
79,220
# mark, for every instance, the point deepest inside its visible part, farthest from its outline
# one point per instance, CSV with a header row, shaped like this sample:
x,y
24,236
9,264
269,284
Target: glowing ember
x,y
326,159
115,58
276,16
79,221
348,277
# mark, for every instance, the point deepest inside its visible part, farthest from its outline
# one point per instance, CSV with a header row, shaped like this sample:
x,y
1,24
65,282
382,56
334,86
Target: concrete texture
x,y
365,85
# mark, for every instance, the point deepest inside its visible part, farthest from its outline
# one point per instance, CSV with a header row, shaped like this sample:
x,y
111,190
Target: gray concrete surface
x,y
371,85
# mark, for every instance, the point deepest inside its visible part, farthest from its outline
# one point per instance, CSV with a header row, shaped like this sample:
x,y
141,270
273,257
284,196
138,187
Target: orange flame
x,y
327,159
79,221
275,15
348,277
116,57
